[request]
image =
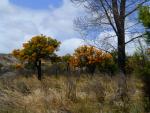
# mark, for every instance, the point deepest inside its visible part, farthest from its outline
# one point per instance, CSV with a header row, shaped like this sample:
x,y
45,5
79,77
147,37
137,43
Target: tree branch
x,y
140,36
108,17
98,47
129,13
116,14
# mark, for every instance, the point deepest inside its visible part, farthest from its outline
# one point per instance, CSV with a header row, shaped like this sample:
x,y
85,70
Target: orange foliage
x,y
18,66
37,48
86,55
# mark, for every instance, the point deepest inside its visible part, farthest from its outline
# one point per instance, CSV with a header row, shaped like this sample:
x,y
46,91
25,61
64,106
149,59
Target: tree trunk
x,y
68,70
39,70
119,17
121,53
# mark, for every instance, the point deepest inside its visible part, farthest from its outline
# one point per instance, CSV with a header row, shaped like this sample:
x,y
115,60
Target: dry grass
x,y
99,94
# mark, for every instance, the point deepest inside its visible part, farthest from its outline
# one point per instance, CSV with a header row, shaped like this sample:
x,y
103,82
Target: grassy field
x,y
99,94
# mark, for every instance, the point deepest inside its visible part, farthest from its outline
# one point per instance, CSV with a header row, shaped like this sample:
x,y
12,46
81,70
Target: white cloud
x,y
68,46
19,24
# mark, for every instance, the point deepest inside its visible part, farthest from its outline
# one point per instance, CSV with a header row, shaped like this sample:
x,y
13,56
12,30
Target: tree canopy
x,y
38,48
88,55
144,17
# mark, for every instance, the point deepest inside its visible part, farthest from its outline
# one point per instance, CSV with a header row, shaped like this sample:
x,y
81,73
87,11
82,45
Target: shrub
x,y
89,57
1,65
144,74
109,67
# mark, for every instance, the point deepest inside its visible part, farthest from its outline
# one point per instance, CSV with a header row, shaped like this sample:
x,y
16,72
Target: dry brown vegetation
x,y
99,94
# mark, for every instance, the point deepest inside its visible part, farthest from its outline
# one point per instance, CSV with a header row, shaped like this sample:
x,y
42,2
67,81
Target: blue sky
x,y
37,4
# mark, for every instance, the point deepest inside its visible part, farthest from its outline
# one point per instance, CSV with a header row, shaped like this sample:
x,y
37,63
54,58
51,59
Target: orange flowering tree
x,y
88,56
35,50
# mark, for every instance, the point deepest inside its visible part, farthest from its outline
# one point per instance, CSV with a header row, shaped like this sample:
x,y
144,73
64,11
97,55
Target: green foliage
x,y
137,61
141,66
144,16
134,62
29,66
145,75
55,58
108,66
66,58
1,65
147,37
145,71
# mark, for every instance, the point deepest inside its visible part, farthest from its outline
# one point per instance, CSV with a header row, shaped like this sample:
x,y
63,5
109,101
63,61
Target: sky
x,y
22,19
37,4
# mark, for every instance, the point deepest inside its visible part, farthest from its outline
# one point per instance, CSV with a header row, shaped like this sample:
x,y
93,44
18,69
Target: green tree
x,y
144,71
37,49
66,59
144,17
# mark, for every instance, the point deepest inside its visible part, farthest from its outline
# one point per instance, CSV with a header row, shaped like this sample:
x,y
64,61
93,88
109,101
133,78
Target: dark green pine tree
x,y
144,16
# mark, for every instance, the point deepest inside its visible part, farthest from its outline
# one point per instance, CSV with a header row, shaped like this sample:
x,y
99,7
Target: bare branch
x,y
100,48
110,7
132,26
140,36
108,17
135,9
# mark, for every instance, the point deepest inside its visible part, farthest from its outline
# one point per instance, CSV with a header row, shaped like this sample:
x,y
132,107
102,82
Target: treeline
x,y
41,49
40,52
